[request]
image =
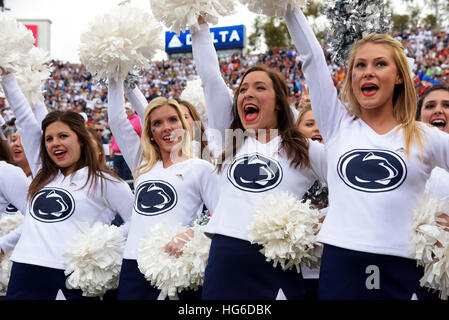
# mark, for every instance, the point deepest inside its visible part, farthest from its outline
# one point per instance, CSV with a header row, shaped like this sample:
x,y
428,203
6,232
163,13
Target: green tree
x,y
276,33
273,32
255,38
313,9
439,8
430,21
400,21
414,17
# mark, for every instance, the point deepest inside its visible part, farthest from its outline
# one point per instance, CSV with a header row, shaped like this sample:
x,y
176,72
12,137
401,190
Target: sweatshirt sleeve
x,y
318,159
126,137
40,112
327,108
29,128
208,182
438,143
120,198
137,100
216,92
9,241
14,186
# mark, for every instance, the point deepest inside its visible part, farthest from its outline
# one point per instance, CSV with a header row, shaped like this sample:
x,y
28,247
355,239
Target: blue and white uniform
x,y
54,214
13,191
13,188
438,183
39,111
174,194
373,189
236,269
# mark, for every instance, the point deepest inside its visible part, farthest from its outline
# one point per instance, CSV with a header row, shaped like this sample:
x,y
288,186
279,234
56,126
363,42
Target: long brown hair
x,y
293,142
205,151
88,157
5,152
97,139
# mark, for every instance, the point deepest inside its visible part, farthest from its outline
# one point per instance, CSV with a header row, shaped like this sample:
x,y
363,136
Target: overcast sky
x,y
70,18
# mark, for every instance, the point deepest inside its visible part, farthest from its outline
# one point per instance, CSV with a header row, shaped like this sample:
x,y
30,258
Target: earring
x,y
151,139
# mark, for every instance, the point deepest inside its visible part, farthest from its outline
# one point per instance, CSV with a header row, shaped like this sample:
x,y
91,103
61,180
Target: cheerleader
x,y
69,188
271,158
200,145
378,165
433,108
11,193
170,185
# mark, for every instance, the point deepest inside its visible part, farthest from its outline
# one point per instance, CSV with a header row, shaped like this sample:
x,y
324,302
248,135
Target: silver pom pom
x,y
130,82
350,21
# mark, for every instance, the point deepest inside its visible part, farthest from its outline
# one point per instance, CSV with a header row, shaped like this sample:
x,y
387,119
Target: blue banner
x,y
224,38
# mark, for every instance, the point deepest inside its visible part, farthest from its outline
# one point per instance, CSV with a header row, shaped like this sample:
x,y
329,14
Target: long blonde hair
x,y
151,152
404,96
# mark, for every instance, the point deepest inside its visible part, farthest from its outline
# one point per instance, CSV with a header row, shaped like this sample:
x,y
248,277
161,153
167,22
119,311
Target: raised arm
x,y
327,108
29,128
137,100
40,112
127,139
216,93
2,122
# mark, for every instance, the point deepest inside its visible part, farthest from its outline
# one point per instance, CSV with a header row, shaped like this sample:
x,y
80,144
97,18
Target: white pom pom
x,y
32,77
286,229
7,224
193,93
180,15
119,41
95,259
168,273
272,7
5,271
16,42
425,237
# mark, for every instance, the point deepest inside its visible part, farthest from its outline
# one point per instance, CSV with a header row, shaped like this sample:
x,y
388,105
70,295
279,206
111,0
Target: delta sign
x,y
223,38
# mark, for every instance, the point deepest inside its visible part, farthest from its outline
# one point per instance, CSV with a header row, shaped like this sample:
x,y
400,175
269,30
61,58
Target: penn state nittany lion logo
x,y
155,197
255,173
52,205
10,209
372,170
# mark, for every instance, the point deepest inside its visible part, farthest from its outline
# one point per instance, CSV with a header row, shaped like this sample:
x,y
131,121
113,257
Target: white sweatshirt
x,y
54,214
373,185
175,194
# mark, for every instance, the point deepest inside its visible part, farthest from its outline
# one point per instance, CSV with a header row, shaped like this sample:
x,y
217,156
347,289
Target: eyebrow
x,y
257,82
363,59
444,100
